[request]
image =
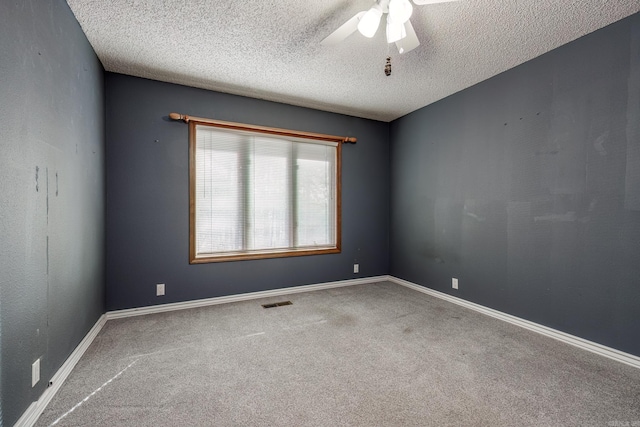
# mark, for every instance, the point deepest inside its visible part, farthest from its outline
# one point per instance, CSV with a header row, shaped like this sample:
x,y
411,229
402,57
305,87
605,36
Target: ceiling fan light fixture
x,y
395,31
370,22
400,10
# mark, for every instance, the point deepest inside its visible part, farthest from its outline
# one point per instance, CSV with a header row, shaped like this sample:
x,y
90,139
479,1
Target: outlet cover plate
x,y
35,372
160,289
454,283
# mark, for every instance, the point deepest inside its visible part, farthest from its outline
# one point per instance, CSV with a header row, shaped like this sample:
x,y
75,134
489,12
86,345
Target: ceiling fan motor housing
x,y
399,28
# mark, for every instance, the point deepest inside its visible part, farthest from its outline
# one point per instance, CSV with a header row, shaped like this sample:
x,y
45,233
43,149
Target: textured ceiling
x,y
270,49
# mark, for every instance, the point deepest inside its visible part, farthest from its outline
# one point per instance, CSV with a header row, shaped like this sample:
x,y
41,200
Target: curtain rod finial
x,y
350,140
176,116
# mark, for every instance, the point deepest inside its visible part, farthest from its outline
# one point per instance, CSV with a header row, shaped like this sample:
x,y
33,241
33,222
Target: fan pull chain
x,y
387,66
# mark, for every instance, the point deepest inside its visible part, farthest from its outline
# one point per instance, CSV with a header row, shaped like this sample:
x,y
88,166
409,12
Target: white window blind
x,y
259,194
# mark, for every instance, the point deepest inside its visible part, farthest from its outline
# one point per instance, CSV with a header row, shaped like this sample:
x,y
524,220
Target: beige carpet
x,y
368,355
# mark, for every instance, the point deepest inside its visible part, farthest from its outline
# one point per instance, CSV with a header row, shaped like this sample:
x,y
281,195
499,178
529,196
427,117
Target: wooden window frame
x,y
267,253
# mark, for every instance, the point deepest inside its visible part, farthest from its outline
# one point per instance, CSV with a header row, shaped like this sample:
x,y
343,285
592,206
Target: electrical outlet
x,y
160,289
35,372
356,268
454,283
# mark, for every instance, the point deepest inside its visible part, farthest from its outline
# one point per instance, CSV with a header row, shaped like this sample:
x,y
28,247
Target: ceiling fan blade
x,y
410,42
344,31
421,2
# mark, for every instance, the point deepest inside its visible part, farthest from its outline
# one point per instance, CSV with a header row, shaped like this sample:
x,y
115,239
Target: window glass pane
x,y
315,195
270,218
218,192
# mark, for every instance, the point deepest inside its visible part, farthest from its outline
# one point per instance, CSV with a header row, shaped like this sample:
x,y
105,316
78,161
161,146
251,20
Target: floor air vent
x,y
277,304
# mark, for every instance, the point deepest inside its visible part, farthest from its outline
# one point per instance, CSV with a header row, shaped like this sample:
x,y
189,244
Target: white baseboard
x,y
611,353
119,314
34,410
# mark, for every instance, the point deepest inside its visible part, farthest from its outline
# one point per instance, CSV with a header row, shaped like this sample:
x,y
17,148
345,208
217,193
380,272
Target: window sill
x,y
241,256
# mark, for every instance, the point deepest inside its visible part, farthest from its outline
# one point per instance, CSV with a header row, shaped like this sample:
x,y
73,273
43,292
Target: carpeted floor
x,y
368,355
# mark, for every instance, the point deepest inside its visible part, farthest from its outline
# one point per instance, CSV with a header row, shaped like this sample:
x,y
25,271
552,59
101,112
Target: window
x,y
262,195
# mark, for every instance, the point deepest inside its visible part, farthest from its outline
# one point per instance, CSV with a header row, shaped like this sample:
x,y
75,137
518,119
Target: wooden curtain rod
x,y
263,129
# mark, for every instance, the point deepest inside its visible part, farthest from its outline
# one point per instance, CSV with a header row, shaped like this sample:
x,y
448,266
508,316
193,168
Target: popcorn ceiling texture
x,y
271,49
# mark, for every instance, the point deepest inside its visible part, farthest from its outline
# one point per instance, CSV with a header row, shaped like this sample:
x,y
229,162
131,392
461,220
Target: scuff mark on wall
x,y
37,172
468,210
47,180
474,216
547,152
565,217
599,143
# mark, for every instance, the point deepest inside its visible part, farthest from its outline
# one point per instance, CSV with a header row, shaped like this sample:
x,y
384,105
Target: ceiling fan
x,y
399,28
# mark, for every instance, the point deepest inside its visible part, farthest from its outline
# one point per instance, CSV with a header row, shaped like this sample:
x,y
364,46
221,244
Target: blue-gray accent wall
x,y
51,192
526,187
148,196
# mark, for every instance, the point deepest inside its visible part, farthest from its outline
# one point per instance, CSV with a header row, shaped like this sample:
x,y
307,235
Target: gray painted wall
x,y
148,204
51,193
526,187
